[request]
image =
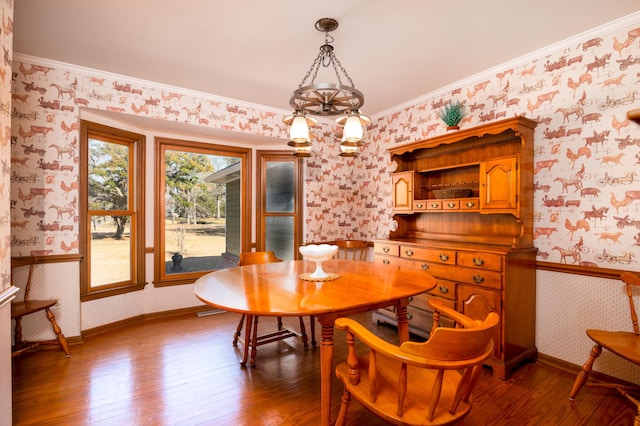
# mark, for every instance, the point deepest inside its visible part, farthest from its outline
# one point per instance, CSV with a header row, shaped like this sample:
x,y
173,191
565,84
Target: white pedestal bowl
x,y
318,253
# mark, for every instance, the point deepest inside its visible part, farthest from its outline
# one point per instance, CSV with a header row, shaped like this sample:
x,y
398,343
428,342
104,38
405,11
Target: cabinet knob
x,y
451,205
434,205
409,252
425,266
385,249
470,204
444,257
385,261
419,205
478,279
478,261
443,289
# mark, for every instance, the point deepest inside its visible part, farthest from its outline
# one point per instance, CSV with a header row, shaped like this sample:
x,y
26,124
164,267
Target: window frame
x,y
264,156
137,144
162,144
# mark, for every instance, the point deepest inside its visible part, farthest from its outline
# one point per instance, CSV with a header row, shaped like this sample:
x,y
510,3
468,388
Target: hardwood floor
x,y
184,371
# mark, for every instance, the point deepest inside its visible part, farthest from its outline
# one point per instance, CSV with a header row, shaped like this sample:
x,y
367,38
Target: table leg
x,y
326,367
403,323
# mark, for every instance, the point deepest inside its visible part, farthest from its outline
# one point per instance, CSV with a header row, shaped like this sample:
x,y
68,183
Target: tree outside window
x,y
112,211
199,191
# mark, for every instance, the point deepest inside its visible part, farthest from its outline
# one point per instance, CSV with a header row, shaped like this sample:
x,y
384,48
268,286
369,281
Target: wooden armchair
x,y
427,383
251,339
352,249
621,343
20,309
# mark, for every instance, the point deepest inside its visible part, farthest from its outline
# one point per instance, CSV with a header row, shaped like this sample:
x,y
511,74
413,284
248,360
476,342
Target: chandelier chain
x,y
344,71
314,67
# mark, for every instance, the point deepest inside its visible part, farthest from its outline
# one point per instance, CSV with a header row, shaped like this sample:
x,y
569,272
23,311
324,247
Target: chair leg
x,y
254,341
247,338
303,332
56,329
279,323
342,415
583,375
17,334
238,331
622,390
312,324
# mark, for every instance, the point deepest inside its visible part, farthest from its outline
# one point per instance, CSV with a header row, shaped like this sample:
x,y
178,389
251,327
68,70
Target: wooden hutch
x,y
475,236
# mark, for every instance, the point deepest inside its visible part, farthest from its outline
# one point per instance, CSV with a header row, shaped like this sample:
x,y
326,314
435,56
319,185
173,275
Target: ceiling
x,y
259,51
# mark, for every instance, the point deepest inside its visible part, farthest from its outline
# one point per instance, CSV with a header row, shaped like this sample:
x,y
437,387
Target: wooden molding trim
x,y
574,369
613,274
34,260
75,340
141,318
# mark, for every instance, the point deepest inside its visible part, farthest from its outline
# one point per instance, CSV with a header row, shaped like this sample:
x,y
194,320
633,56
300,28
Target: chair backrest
x,y
27,287
352,249
257,257
632,279
445,369
457,345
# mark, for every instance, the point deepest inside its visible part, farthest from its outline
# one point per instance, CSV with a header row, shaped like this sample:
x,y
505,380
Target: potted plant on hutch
x,y
452,114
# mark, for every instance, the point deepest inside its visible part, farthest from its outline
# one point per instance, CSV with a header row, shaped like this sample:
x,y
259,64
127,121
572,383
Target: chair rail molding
x,y
8,295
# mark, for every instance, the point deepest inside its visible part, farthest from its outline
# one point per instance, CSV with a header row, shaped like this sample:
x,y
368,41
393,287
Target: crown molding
x,y
17,56
609,27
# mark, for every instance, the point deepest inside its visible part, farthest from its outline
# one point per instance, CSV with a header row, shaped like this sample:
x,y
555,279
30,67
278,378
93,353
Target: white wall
x,y
567,305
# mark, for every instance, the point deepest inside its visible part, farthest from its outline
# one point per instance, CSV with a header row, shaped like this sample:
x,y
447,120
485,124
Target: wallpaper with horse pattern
x,y
587,191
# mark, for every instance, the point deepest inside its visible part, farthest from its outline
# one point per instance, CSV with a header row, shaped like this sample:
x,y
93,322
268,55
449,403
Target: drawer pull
x,y
386,261
470,204
478,261
444,257
409,252
409,316
419,205
451,205
425,266
434,205
386,249
478,279
443,289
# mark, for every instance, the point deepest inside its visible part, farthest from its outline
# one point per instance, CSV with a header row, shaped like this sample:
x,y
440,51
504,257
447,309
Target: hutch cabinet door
x,y
499,184
403,191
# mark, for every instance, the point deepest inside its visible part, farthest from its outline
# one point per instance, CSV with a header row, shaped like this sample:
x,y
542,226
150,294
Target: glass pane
x,y
110,250
108,175
202,211
279,236
280,184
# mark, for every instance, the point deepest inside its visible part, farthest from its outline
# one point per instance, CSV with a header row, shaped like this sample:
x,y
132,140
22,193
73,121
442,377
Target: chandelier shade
x,y
326,99
353,123
300,123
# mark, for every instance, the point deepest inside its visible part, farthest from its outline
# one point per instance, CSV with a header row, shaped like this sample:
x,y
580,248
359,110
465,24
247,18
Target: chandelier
x,y
326,99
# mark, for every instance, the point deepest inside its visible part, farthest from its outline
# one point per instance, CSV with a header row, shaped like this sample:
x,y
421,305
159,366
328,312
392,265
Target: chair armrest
x,y
377,344
438,305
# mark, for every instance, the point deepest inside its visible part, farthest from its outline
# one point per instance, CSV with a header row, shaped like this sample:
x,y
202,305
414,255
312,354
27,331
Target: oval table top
x,y
276,289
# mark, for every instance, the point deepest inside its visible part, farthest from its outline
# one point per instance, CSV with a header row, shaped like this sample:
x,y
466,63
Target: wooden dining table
x,y
276,289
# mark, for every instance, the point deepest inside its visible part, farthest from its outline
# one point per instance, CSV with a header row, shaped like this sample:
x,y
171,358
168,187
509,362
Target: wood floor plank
x,y
184,371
